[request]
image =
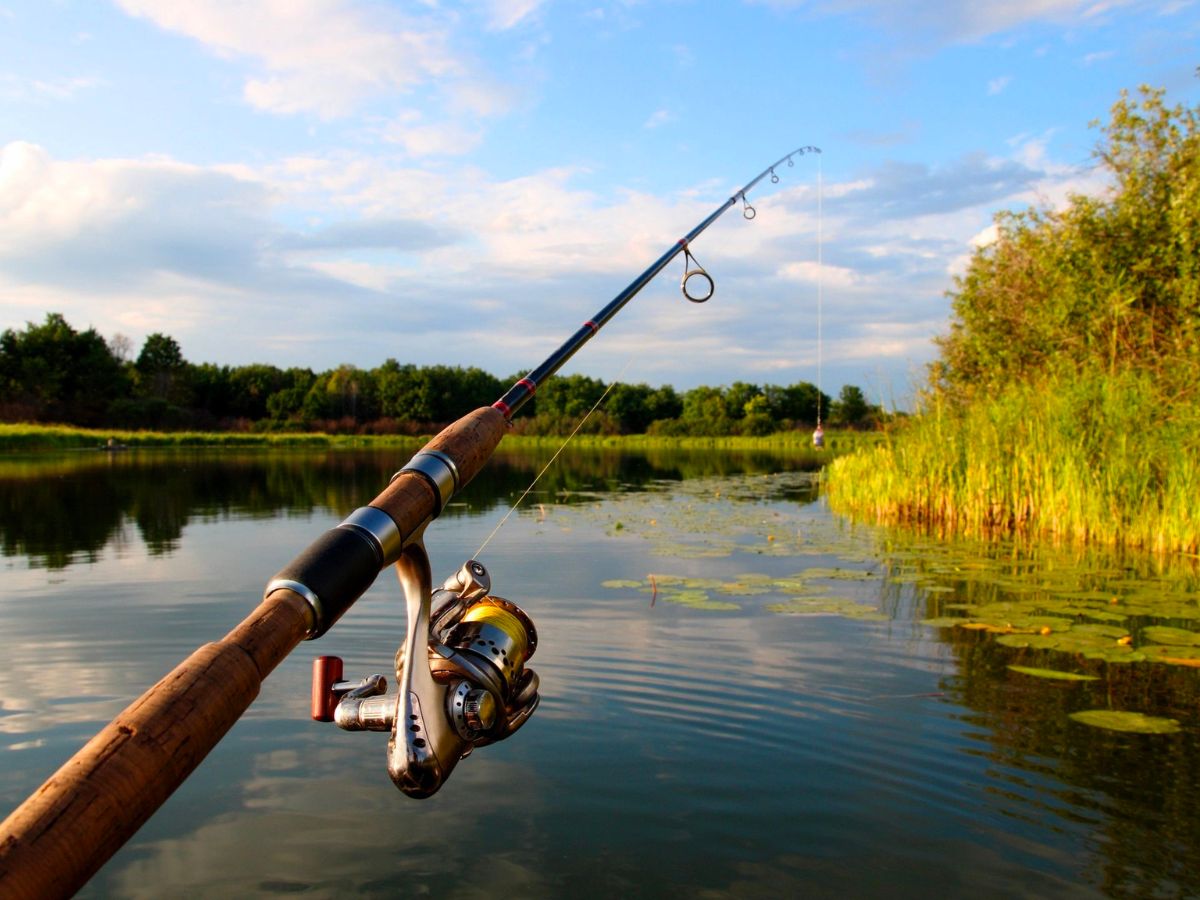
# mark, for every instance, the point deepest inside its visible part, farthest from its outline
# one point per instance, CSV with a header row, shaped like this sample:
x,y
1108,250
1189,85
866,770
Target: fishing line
x,y
820,281
512,509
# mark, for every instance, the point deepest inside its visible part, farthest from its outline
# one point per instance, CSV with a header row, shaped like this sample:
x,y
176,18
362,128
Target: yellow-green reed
x,y
1098,459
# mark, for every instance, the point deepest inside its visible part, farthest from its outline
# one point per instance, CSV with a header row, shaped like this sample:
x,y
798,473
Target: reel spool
x,y
461,678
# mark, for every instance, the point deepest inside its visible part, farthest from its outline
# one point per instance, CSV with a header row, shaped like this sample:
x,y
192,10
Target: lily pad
x,y
1052,673
743,589
788,586
839,574
1136,722
696,600
827,606
1100,615
618,583
1087,645
1176,637
1109,631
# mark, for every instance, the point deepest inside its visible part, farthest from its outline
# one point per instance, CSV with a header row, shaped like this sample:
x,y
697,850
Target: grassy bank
x,y
30,438
22,438
1089,459
835,442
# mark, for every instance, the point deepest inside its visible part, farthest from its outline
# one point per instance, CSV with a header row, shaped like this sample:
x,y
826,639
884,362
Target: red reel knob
x,y
327,671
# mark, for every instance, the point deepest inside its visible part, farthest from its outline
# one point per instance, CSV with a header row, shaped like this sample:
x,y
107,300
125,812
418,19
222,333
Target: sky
x,y
320,182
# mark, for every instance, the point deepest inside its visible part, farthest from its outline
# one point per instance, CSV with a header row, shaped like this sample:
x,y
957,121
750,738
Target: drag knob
x,y
479,709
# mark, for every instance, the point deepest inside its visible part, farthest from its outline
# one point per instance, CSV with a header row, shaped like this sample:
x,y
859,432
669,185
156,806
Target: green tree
x,y
212,390
705,412
635,406
287,403
447,392
738,395
757,418
51,372
250,388
797,403
852,408
664,403
569,396
345,393
162,370
1109,283
400,392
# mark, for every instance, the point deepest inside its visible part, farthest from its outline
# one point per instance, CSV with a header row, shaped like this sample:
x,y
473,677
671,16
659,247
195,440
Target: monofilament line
x,y
820,279
539,475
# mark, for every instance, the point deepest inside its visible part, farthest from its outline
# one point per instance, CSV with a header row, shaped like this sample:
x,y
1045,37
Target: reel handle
x,y
326,672
329,692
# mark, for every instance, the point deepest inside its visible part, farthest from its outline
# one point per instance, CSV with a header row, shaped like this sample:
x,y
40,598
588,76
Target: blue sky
x,y
317,182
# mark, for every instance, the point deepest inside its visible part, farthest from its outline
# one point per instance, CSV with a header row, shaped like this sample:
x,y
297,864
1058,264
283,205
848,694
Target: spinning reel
x,y
461,676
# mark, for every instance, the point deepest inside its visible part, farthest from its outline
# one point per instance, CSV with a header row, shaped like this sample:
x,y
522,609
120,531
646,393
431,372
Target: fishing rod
x,y
461,676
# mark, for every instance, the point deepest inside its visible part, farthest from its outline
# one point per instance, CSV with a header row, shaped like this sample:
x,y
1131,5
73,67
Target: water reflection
x,y
736,751
65,509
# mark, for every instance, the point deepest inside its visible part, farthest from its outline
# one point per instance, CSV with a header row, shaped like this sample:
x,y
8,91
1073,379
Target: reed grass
x,y
1097,459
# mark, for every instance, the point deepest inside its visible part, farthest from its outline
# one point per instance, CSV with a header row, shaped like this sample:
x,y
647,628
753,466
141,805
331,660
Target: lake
x,y
743,694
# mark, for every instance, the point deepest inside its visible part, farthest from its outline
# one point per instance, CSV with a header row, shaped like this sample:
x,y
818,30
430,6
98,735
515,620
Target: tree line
x,y
50,372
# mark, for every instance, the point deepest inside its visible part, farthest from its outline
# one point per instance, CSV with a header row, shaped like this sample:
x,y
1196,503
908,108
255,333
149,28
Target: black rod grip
x,y
333,571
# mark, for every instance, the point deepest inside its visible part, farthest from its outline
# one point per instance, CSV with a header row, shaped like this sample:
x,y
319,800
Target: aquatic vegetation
x,y
1027,596
828,606
696,599
1038,597
1079,643
1135,722
722,516
1163,634
1053,674
803,596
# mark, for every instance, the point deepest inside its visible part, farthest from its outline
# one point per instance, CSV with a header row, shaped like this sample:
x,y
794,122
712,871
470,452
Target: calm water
x,y
776,720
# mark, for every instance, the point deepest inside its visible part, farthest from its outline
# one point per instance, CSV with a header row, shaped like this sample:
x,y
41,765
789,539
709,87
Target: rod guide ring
x,y
688,286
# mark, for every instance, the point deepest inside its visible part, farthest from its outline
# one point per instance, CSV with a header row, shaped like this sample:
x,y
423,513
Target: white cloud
x,y
67,221
659,117
505,14
13,87
887,340
436,139
959,20
997,85
985,237
323,56
480,97
812,273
